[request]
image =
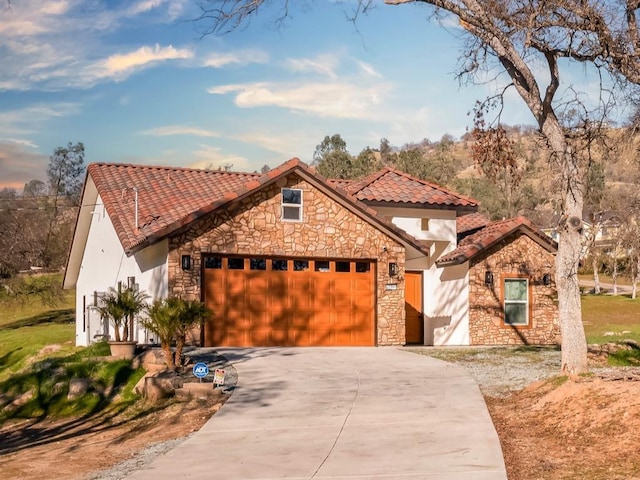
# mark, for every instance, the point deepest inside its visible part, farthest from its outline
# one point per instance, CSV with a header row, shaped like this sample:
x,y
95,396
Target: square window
x,y
213,262
235,263
257,264
301,265
291,205
343,267
516,301
279,265
363,267
321,266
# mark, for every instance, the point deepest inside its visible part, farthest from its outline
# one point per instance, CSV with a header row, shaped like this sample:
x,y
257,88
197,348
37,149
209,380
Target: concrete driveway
x,y
341,413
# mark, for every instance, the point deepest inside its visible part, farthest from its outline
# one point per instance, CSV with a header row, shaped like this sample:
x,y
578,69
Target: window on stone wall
x,y
291,205
516,301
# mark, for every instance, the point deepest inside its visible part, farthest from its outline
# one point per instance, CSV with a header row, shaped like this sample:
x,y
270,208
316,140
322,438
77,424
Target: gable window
x,y
516,302
291,205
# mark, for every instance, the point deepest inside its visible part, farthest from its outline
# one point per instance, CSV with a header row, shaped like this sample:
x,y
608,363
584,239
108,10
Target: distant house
x,y
291,258
599,229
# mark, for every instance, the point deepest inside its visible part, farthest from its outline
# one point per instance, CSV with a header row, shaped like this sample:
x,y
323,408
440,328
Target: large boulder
x,y
152,360
78,387
159,385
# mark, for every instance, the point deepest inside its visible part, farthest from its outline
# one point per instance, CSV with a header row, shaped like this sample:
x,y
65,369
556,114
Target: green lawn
x,y
43,376
27,326
608,313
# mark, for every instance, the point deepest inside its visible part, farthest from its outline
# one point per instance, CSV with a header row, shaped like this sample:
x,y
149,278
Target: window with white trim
x,y
291,205
516,301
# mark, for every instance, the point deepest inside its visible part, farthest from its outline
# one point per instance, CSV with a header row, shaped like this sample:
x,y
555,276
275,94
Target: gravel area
x,y
500,371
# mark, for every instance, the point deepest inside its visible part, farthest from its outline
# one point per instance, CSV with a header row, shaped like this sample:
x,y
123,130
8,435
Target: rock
x,y
59,387
19,401
48,349
151,359
608,334
78,387
158,388
199,390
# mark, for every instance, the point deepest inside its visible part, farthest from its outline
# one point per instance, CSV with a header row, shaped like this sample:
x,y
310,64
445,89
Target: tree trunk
x,y
615,277
596,276
634,291
168,355
574,343
180,341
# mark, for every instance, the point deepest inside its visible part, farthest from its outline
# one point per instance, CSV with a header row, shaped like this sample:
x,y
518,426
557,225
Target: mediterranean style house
x,y
290,258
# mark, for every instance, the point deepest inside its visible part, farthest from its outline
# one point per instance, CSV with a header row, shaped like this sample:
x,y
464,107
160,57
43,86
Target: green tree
x,y
364,164
65,171
65,174
332,158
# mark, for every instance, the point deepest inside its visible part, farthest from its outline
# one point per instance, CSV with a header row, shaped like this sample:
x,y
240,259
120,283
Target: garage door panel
x,y
273,303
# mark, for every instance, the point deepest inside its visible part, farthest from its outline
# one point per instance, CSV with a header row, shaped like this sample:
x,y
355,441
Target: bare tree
x,y
516,35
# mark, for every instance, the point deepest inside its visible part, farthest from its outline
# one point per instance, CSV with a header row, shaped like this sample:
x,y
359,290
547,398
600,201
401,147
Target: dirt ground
x,y
584,428
73,448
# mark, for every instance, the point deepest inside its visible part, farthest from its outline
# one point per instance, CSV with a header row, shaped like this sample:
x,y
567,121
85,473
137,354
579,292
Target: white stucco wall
x,y
104,264
446,290
446,308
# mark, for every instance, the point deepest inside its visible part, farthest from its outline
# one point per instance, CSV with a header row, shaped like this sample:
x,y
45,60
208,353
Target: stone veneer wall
x,y
253,227
517,255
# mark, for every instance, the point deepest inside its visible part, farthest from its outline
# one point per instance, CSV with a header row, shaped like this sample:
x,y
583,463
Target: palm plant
x,y
162,320
171,319
193,313
120,306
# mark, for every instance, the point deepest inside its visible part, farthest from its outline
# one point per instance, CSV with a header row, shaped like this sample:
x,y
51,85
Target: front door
x,y
414,326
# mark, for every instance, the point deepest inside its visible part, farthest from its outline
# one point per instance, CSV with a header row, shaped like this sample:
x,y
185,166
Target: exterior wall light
x,y
546,279
186,262
488,278
393,269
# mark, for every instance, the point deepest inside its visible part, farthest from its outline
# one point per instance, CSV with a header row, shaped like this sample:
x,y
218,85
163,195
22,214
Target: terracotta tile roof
x,y
470,222
170,198
476,243
393,186
165,195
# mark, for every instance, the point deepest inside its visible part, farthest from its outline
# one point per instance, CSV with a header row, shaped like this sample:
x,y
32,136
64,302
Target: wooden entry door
x,y
414,325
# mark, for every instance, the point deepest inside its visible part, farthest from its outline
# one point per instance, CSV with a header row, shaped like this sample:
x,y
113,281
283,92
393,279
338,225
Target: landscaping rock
x,y
151,360
19,401
49,349
78,387
158,388
199,390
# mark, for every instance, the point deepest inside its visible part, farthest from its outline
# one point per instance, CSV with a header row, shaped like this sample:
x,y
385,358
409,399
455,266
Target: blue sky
x,y
134,81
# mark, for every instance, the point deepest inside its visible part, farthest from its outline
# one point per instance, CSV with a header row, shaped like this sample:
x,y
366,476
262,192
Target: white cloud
x,y
325,64
170,130
369,70
213,157
122,65
53,44
335,99
242,57
22,122
143,6
55,8
21,141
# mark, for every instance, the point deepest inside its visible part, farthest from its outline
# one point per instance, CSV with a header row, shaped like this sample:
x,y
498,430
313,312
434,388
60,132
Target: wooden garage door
x,y
258,301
